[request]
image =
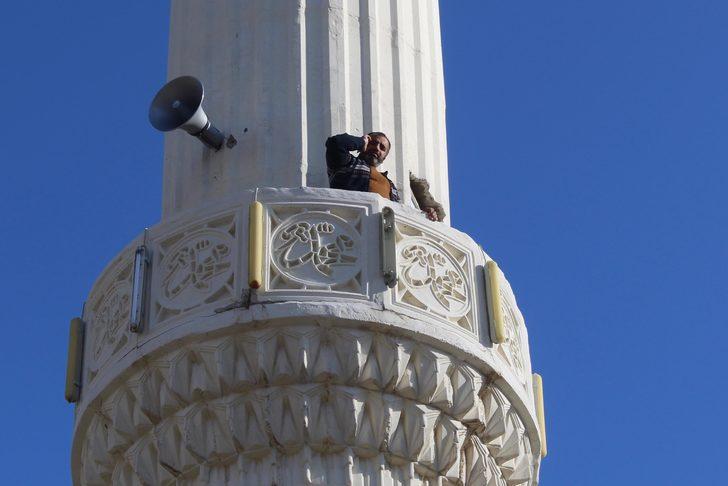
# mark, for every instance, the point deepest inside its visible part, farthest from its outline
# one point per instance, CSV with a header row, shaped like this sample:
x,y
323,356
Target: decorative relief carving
x,y
434,276
111,315
512,349
212,409
109,308
480,467
316,248
513,345
195,267
301,251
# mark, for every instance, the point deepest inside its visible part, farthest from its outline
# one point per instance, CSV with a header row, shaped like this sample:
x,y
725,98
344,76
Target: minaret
x,y
272,331
292,73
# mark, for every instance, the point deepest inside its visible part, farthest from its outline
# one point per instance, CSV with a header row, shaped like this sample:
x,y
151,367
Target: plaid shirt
x,y
349,172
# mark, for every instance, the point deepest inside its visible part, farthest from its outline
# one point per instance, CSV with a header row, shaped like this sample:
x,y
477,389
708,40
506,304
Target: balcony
x,y
323,290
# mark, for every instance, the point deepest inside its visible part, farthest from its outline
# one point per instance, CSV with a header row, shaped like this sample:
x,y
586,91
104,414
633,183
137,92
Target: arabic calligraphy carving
x,y
111,316
195,267
315,249
434,276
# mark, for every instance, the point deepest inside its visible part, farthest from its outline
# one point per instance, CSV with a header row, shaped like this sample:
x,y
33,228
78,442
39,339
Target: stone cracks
x,y
335,405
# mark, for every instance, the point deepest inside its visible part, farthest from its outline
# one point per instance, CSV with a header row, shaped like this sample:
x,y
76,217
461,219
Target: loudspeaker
x,y
179,105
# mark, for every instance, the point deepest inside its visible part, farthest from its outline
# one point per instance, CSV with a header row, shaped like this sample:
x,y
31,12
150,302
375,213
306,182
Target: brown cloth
x,y
378,183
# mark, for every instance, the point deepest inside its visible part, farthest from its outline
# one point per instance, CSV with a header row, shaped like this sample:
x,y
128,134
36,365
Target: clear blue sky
x,y
588,153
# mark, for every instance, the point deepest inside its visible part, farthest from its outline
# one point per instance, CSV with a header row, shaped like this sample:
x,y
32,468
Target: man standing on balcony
x,y
359,173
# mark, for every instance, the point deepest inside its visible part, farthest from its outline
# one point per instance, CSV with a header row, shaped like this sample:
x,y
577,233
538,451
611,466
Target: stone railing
x,y
321,245
322,259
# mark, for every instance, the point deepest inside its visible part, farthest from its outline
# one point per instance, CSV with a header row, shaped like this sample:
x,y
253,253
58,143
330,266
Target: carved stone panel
x,y
107,313
512,349
218,404
435,276
316,248
195,267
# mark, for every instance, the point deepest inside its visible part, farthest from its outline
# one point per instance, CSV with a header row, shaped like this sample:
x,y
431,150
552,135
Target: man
x,y
360,173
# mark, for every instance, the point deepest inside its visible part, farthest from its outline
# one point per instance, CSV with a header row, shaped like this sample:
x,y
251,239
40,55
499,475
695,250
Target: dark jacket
x,y
348,172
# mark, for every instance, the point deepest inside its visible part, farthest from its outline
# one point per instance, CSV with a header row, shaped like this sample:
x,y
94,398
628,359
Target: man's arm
x,y
338,148
427,203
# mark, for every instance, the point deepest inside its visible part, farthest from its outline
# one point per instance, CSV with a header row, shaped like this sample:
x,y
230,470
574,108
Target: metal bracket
x,y
389,248
139,280
74,366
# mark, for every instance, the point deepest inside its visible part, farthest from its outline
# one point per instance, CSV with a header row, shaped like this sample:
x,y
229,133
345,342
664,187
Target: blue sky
x,y
588,149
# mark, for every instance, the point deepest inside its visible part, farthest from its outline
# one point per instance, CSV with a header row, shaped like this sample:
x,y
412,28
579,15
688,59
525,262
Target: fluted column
x,y
282,75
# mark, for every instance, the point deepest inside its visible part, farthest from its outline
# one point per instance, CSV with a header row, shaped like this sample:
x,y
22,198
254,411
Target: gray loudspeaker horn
x,y
179,105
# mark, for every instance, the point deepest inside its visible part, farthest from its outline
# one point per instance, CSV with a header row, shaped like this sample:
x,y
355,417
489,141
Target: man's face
x,y
376,151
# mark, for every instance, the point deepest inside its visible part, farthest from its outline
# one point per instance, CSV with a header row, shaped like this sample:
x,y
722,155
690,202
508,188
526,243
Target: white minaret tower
x,y
272,331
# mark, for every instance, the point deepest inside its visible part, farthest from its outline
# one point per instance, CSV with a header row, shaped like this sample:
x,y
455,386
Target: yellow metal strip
x,y
540,415
495,313
74,365
389,248
255,247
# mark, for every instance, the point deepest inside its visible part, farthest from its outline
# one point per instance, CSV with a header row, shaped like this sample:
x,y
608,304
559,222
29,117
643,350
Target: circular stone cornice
x,y
290,370
322,269
345,315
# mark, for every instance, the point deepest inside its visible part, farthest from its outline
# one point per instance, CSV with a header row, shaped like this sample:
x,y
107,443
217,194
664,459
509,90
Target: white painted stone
x,y
293,73
324,374
310,351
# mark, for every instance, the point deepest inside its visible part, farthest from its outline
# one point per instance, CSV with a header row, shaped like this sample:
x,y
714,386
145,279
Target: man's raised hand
x,y
366,139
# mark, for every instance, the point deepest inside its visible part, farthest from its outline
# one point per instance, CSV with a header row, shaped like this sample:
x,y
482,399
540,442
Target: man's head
x,y
376,148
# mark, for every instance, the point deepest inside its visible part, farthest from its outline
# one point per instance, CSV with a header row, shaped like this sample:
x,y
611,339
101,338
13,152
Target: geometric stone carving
x,y
434,276
194,267
315,248
241,409
480,467
504,437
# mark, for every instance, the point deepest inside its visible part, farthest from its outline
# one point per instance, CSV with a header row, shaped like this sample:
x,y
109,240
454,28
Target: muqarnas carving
x,y
315,248
195,267
238,407
435,276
